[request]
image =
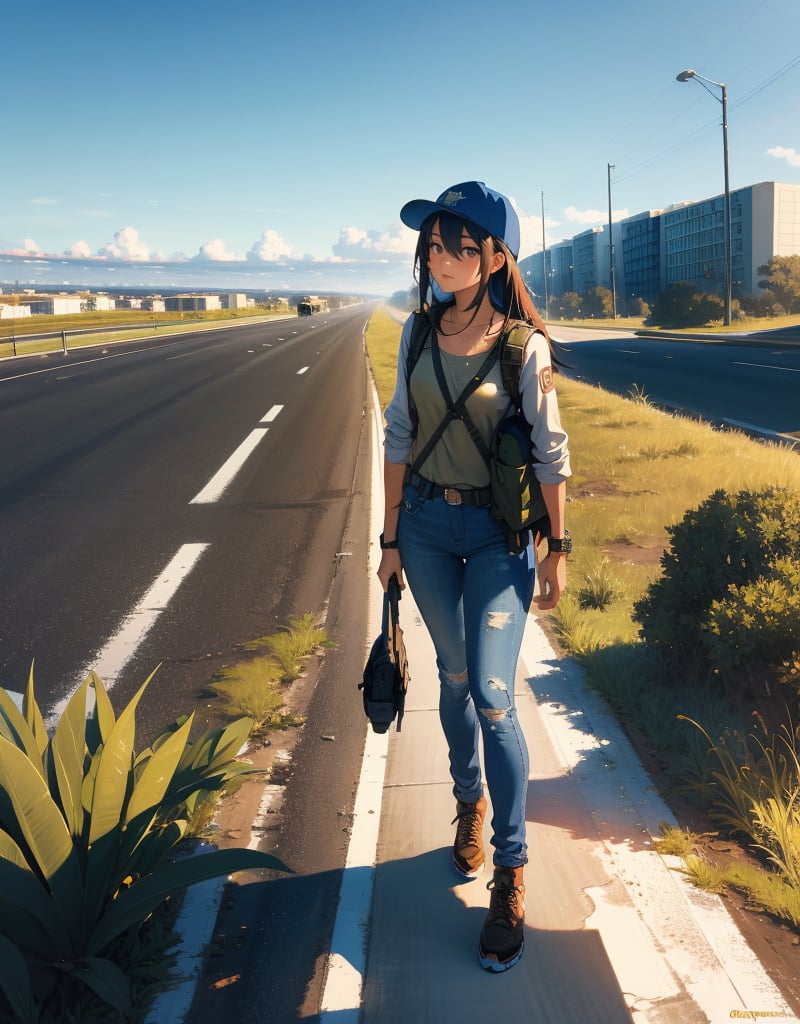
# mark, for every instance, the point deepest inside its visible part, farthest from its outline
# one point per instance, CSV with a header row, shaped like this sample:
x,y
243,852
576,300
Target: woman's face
x,y
454,273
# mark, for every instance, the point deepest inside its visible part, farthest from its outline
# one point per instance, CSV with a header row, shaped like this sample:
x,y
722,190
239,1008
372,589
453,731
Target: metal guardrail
x,y
146,329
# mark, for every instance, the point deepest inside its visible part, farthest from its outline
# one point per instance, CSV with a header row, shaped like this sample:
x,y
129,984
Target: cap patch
x,y
452,198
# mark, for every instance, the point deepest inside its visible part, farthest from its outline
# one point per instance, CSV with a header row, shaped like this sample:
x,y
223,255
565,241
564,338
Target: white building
x,y
58,305
9,312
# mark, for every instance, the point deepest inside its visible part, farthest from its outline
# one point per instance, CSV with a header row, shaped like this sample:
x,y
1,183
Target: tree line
x,y
681,305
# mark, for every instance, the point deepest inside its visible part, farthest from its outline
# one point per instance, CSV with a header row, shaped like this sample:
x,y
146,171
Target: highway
x,y
755,386
162,503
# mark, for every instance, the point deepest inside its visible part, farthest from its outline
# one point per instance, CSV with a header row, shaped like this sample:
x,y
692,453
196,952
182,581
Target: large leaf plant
x,y
88,831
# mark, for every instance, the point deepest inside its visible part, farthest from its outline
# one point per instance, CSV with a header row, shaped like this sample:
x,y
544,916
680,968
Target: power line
x,y
705,127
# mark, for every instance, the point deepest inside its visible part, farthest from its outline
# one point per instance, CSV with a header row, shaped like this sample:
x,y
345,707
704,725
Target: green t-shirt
x,y
455,461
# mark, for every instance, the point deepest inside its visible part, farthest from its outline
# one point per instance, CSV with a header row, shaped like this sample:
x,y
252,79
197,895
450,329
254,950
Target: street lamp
x,y
684,76
544,263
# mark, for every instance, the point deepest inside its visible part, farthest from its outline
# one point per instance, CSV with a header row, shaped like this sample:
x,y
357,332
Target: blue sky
x,y
289,136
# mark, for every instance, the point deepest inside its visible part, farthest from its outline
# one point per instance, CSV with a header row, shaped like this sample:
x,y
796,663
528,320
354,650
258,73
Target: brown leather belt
x,y
479,496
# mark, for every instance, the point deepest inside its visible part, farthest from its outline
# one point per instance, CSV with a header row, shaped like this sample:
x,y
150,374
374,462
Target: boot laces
x,y
507,901
469,831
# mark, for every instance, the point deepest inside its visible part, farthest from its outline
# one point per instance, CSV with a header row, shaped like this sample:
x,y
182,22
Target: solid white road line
x,y
348,955
112,658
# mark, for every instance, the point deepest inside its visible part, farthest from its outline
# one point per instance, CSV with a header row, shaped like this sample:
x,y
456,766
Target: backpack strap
x,y
456,410
511,347
421,332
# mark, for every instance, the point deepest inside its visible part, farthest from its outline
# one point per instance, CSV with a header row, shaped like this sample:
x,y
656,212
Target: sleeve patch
x,y
546,382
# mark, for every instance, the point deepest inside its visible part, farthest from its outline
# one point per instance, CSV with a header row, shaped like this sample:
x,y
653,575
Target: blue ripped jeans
x,y
474,599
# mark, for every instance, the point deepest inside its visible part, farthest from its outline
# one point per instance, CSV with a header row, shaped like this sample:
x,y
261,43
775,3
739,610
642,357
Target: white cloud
x,y
589,217
126,246
79,250
44,201
356,244
355,236
216,251
789,154
270,247
577,216
31,246
530,233
404,242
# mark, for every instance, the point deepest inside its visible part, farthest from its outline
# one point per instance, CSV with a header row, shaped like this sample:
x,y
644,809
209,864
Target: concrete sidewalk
x,y
613,932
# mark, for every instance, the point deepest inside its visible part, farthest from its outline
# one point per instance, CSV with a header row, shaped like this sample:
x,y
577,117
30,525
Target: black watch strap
x,y
560,545
388,545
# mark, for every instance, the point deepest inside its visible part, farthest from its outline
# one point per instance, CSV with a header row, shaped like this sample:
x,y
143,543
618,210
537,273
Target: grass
x,y
85,329
254,686
746,323
636,470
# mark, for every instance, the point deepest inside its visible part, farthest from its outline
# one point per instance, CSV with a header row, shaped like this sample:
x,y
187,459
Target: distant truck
x,y
313,304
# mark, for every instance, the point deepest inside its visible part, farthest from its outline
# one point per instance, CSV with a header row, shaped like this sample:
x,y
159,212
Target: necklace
x,y
452,334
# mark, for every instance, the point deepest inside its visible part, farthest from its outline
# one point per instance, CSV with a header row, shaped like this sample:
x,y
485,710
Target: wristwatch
x,y
559,545
388,545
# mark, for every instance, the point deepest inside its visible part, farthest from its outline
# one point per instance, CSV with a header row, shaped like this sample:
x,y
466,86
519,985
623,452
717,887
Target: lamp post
x,y
684,76
544,263
611,249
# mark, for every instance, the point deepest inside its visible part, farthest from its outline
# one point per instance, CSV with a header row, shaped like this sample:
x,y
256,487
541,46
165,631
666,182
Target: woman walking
x,y
471,580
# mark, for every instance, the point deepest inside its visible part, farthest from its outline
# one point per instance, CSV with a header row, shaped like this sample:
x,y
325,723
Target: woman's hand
x,y
552,574
391,563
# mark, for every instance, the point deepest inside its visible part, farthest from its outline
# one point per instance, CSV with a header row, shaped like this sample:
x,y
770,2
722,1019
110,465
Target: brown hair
x,y
507,291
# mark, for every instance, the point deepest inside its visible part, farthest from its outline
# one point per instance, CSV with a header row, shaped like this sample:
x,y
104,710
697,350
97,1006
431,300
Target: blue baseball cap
x,y
473,201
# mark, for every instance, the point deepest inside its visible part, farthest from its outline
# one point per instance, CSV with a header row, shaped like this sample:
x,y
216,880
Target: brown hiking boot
x,y
468,855
502,938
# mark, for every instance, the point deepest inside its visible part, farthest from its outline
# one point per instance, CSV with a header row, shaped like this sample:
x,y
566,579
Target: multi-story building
x,y
640,257
686,242
590,260
561,268
192,303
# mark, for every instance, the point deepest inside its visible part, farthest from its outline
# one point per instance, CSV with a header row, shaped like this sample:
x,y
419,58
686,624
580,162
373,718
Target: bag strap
x,y
514,342
509,350
456,410
391,610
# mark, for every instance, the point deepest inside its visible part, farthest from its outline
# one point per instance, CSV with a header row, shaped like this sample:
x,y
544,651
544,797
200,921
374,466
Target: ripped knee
x,y
495,715
457,677
498,620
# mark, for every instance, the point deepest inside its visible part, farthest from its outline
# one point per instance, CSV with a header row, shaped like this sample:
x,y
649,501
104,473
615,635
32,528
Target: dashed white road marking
x,y
302,370
270,416
223,478
112,658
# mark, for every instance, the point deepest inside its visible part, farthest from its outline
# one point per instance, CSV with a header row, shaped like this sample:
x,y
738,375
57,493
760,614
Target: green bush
x,y
88,831
757,625
703,608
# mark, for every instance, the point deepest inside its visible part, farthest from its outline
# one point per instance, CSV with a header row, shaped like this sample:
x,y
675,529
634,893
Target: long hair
x,y
507,291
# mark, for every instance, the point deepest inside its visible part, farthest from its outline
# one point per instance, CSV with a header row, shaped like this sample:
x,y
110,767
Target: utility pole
x,y
611,247
544,262
685,76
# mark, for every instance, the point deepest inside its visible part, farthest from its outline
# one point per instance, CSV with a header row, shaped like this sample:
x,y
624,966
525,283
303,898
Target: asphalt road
x,y
112,555
756,386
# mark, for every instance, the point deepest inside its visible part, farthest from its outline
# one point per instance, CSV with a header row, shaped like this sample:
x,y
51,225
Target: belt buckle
x,y
452,496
